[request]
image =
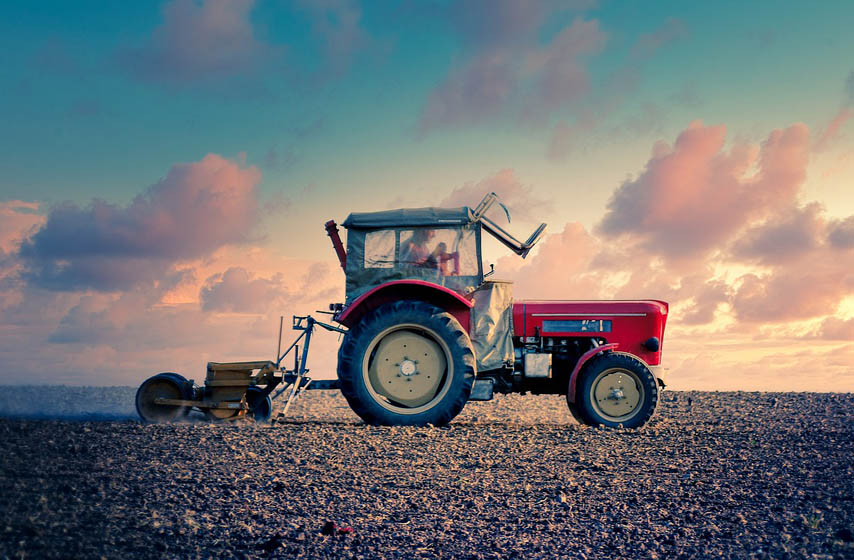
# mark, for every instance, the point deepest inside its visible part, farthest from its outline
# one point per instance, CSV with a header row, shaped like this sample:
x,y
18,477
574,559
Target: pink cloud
x,y
520,199
783,237
18,220
809,280
831,133
239,291
212,39
565,136
489,22
705,301
471,93
693,197
841,233
560,269
814,288
562,78
501,78
834,328
695,213
197,208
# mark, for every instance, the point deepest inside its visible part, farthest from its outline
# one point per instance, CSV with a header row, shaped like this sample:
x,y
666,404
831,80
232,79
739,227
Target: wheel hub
x,y
407,367
617,394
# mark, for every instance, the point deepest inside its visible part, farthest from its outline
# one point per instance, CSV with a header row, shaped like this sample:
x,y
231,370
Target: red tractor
x,y
426,333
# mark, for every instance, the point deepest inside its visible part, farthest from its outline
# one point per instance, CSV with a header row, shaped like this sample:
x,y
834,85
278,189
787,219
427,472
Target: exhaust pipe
x,y
332,232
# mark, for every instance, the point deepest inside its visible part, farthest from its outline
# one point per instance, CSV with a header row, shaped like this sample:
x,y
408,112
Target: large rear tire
x,y
163,385
616,390
406,363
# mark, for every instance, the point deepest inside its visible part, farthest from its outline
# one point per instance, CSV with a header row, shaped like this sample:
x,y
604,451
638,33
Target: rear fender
x,y
398,290
586,357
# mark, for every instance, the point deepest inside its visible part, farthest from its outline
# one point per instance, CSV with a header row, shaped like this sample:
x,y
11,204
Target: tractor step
x,y
482,390
324,384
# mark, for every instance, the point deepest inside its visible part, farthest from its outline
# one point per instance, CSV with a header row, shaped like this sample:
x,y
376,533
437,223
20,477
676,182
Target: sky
x,y
166,170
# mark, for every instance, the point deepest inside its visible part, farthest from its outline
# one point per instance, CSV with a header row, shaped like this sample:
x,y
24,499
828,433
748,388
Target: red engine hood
x,y
596,307
629,323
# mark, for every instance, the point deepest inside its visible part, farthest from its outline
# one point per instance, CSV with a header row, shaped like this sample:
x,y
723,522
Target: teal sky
x,y
78,124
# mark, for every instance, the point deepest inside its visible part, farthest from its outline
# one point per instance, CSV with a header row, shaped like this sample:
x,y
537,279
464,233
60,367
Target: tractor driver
x,y
415,252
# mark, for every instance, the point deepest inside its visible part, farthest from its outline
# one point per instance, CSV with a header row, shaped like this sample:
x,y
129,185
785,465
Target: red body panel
x,y
398,290
632,322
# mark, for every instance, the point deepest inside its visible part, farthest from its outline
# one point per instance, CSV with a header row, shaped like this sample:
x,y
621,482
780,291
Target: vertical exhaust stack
x,y
332,232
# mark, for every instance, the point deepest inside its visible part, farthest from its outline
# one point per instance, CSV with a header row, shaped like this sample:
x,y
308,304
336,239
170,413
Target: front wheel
x,y
616,390
406,363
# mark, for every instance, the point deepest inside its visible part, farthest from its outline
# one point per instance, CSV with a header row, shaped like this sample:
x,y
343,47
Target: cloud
x,y
562,78
197,208
560,269
795,292
567,137
526,80
237,290
842,233
720,233
123,337
487,23
694,196
213,39
834,328
783,238
670,31
705,301
807,274
519,199
338,24
18,219
471,93
831,134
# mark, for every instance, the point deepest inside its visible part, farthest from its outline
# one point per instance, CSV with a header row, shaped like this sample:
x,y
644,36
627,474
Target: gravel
x,y
737,475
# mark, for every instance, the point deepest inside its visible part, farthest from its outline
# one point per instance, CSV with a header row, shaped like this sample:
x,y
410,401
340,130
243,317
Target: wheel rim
x,y
407,369
616,394
155,389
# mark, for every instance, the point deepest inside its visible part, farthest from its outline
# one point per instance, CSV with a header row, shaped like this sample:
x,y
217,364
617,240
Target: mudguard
x,y
396,290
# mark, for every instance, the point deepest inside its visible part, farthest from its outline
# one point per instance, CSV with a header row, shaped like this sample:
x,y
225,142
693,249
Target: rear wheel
x,y
406,363
167,386
616,390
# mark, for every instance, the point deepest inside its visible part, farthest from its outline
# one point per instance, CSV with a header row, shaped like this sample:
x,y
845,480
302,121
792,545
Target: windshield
x,y
448,256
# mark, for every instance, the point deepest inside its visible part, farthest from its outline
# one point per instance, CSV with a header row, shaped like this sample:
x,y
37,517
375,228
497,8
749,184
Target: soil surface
x,y
736,475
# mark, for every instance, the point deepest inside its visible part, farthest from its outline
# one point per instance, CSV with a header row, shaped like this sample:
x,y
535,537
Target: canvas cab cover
x,y
440,245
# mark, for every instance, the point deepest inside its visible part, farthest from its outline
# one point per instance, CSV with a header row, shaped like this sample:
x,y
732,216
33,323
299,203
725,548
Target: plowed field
x,y
746,475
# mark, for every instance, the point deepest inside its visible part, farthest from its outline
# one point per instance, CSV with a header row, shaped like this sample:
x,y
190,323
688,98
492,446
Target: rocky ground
x,y
738,475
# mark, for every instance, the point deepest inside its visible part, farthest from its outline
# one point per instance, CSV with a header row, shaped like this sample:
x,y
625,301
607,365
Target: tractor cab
x,y
437,245
441,246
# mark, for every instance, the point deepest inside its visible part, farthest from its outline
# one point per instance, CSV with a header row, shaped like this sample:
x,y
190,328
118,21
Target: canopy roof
x,y
435,217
